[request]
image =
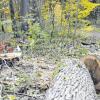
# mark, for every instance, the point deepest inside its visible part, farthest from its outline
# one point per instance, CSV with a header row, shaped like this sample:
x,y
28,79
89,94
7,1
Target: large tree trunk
x,y
12,11
24,11
24,7
72,83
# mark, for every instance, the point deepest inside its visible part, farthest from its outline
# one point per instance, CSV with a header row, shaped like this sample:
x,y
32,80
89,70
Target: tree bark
x,y
24,7
72,83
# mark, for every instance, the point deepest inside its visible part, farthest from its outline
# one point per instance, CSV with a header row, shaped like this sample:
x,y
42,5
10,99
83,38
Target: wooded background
x,y
52,15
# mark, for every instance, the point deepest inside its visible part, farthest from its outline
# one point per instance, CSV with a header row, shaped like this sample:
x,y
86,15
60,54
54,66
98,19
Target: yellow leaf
x,y
88,29
12,97
58,11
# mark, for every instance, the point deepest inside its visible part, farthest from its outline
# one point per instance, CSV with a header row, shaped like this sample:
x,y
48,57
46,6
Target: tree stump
x,y
72,83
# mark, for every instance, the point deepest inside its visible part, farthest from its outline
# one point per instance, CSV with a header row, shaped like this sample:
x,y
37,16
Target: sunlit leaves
x,y
7,25
84,8
58,12
88,7
12,97
45,11
6,10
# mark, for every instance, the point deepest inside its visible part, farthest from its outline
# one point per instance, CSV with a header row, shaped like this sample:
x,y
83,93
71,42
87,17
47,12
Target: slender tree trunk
x,y
52,16
13,15
63,7
24,7
76,22
24,11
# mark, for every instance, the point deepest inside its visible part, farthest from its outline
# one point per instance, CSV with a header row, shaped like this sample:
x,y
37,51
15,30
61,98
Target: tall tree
x,y
24,12
24,7
12,10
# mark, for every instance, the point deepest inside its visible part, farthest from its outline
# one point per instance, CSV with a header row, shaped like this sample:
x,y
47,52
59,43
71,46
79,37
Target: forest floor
x,y
29,78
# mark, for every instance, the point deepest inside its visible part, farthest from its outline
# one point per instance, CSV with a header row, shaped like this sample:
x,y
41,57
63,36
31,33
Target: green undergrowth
x,y
57,69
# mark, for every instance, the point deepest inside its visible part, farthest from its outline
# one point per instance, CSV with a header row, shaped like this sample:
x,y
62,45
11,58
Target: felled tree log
x,y
11,55
72,83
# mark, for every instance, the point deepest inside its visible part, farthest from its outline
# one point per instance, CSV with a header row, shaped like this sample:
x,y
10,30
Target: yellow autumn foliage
x,y
87,28
6,10
84,7
58,11
88,7
7,26
45,11
12,97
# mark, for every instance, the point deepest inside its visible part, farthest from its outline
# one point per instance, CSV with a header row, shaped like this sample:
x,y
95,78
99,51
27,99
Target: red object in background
x,y
10,49
2,47
5,47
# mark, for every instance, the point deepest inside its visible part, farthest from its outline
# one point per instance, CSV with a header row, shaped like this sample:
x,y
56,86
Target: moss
x,y
57,70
